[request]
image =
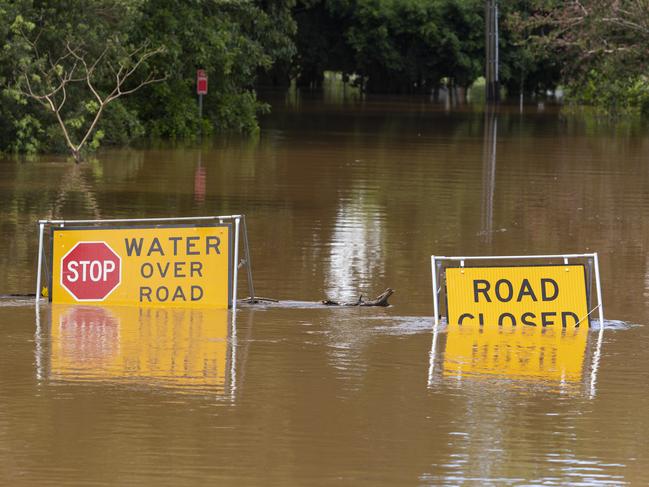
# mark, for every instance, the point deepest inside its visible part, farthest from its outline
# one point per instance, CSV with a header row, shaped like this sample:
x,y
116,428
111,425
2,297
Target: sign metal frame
x,y
437,277
239,227
437,260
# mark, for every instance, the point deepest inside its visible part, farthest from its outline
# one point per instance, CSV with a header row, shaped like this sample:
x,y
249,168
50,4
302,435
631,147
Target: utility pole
x,y
492,86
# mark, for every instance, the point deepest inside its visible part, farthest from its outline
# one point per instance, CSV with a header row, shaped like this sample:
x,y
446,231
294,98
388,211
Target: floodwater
x,y
342,198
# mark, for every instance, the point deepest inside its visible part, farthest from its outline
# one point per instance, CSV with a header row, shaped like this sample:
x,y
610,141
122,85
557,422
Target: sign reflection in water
x,y
550,356
516,352
184,349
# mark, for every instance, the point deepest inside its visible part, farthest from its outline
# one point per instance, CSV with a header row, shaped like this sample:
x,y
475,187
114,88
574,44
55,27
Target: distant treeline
x,y
79,73
411,46
596,50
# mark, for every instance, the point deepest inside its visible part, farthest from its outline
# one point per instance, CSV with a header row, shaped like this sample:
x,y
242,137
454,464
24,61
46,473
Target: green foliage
x,y
219,37
28,132
596,48
237,111
414,46
34,55
602,47
611,93
233,41
523,66
395,46
120,125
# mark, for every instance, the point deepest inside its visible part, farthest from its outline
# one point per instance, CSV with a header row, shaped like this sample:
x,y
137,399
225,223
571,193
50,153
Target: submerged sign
x,y
543,295
161,266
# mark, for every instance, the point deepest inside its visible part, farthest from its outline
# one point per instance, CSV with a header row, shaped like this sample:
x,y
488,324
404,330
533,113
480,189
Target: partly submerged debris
x,y
380,300
257,300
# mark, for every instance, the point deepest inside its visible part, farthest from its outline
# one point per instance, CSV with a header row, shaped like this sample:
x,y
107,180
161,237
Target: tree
x,y
47,80
234,41
406,46
523,67
603,46
37,37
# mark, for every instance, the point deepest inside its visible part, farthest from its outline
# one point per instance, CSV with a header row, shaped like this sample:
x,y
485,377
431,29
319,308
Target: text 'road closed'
x,y
543,296
169,266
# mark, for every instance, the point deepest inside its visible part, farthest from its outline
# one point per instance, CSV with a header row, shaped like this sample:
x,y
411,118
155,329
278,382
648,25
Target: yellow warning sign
x,y
152,266
515,352
542,296
184,349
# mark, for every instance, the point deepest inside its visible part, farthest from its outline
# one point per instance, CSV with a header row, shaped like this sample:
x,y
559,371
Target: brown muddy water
x,y
342,198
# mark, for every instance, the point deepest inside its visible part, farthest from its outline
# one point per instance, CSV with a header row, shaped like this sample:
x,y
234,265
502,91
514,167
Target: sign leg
x,y
237,222
246,248
599,294
435,297
40,262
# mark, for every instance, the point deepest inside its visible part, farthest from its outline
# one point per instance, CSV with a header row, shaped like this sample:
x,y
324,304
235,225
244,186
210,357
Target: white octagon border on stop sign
x,y
119,281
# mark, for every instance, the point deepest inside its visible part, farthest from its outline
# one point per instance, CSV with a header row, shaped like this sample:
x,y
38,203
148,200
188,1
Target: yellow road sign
x,y
152,266
542,296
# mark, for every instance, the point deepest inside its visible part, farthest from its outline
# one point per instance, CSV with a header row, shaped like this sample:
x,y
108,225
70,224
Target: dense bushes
x,y
596,49
601,46
233,41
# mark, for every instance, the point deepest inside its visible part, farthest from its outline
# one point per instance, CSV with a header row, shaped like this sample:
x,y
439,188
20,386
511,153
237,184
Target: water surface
x,y
342,199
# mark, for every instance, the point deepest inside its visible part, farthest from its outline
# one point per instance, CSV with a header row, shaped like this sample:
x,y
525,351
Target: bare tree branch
x,y
48,94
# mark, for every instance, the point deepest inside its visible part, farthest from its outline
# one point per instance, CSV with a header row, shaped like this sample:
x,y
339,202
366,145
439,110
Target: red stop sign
x,y
90,271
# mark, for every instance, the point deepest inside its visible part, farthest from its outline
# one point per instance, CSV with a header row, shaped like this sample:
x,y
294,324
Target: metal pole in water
x,y
496,52
246,247
236,264
599,294
39,346
435,302
489,172
431,357
233,357
600,338
41,227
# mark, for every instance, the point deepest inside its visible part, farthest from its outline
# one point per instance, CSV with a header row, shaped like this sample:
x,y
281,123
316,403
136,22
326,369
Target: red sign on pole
x,y
201,82
90,271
